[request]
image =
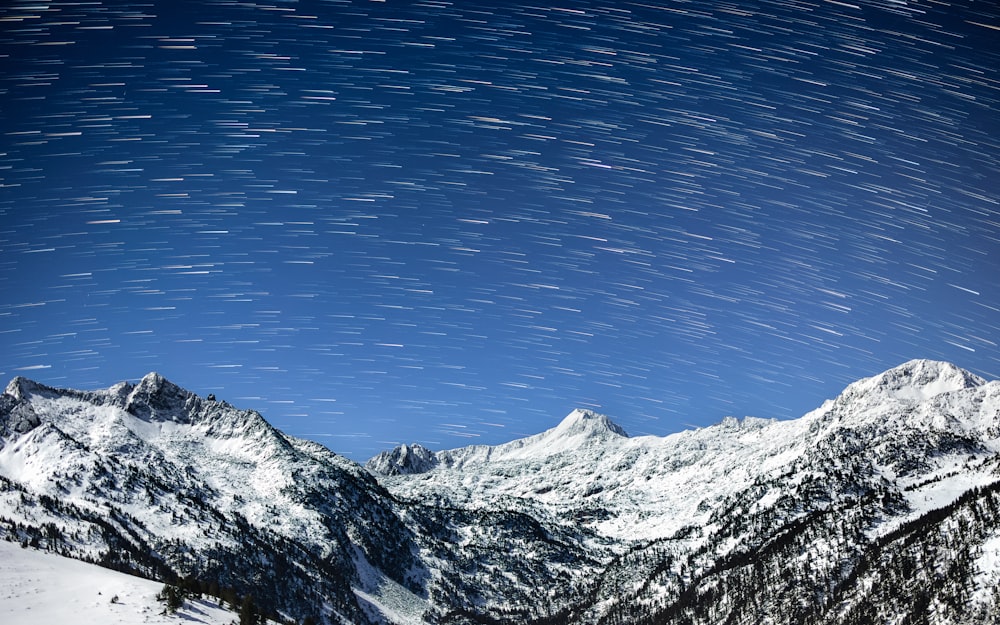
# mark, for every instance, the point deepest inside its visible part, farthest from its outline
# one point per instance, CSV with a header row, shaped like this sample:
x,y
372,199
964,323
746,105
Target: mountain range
x,y
882,505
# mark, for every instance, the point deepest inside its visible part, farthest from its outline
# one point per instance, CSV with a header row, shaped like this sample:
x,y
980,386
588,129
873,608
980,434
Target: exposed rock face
x,y
403,460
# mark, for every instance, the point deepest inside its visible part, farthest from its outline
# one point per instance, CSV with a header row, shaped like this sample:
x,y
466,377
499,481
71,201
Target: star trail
x,y
453,222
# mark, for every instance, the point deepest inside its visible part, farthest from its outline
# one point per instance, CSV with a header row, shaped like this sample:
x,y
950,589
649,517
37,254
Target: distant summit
x,y
588,424
403,460
579,430
156,398
917,380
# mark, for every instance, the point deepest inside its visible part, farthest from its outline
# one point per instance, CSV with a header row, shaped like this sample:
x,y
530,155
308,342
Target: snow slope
x,y
38,588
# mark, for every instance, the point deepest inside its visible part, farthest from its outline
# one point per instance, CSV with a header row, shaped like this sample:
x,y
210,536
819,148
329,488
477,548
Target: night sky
x,y
454,222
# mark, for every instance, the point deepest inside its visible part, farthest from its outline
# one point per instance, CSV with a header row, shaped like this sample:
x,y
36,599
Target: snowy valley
x,y
882,505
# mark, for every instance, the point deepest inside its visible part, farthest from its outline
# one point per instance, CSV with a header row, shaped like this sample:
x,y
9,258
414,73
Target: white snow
x,y
38,587
988,564
385,598
652,485
916,380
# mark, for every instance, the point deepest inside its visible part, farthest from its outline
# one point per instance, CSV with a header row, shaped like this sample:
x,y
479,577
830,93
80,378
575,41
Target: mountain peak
x,y
153,381
155,397
18,387
21,387
588,423
403,460
918,380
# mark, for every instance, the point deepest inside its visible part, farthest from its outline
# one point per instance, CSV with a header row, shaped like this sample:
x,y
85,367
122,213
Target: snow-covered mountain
x,y
895,484
649,487
154,480
812,520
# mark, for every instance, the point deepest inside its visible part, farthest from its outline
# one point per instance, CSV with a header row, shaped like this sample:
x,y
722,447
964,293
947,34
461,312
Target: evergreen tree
x,y
172,598
249,614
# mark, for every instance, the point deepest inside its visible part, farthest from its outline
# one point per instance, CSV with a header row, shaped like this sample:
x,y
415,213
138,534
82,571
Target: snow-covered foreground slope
x,y
823,519
39,588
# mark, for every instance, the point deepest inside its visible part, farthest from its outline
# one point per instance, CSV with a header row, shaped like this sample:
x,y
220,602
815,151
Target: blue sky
x,y
446,223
